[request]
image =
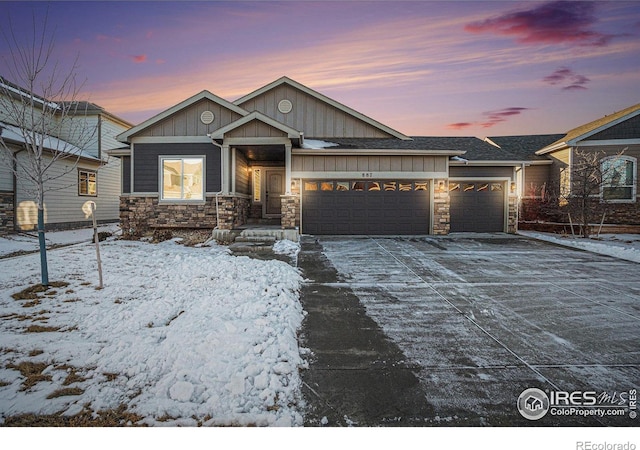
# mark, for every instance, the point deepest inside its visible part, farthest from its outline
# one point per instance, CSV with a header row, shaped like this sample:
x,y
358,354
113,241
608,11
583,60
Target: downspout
x,y
221,182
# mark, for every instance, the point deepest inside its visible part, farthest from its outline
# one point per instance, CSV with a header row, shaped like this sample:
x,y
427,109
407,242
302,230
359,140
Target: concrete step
x,y
250,247
265,239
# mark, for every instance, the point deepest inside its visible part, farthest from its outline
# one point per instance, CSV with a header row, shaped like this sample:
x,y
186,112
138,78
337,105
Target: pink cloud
x,y
567,77
459,125
555,22
501,115
138,58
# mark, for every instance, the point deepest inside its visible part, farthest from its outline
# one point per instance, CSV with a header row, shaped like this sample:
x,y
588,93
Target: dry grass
x,y
111,376
65,392
118,417
37,290
32,373
36,352
40,329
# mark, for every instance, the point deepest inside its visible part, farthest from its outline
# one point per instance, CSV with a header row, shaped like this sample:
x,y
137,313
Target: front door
x,y
274,190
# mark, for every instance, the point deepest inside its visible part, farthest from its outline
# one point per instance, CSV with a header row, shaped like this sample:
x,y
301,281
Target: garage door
x,y
476,206
365,207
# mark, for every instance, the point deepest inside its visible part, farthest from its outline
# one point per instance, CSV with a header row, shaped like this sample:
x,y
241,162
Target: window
x,y
326,186
310,186
182,179
87,184
257,185
342,186
390,185
619,179
373,186
496,187
421,186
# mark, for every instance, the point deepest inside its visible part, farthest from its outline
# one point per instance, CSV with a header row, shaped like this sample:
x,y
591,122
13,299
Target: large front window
x,y
182,178
619,178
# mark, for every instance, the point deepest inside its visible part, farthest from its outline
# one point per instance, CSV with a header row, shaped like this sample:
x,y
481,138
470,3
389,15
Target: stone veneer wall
x,y
139,214
512,219
7,212
616,213
623,213
441,208
290,211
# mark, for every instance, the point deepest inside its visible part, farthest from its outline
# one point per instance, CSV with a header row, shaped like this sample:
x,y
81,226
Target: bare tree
x,y
42,123
581,193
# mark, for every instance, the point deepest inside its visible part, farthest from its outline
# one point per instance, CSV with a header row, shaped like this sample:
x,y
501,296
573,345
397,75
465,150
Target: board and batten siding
x,y
146,158
312,116
367,163
126,174
534,178
242,174
6,174
187,122
255,129
63,204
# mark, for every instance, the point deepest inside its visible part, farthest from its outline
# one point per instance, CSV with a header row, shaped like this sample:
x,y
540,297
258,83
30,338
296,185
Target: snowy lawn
x,y
623,246
181,336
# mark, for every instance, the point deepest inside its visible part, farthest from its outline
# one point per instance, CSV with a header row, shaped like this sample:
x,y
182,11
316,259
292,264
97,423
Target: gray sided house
x,y
289,154
616,140
96,177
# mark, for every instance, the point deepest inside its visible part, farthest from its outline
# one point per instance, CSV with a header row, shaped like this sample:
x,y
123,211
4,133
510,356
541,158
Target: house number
x,y
367,174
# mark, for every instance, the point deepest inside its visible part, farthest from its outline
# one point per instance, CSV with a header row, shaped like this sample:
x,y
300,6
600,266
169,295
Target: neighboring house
x,y
289,153
532,176
617,138
96,176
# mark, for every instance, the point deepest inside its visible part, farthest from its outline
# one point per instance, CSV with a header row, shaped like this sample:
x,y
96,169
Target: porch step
x,y
257,239
250,247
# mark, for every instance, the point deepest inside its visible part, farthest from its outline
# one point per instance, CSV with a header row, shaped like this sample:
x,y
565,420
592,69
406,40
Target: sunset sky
x,y
425,68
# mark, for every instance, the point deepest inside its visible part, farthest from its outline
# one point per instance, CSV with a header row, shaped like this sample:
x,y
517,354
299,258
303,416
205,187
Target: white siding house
x,y
92,175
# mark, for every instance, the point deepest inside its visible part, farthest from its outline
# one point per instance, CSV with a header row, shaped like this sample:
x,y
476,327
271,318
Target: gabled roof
x,y
524,147
256,115
325,99
124,137
584,131
13,134
416,143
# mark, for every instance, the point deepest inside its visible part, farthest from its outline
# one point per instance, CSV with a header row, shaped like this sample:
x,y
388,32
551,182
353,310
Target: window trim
x,y
161,160
634,186
88,172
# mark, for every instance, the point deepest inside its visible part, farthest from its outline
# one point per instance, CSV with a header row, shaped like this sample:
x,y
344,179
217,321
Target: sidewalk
x,y
27,242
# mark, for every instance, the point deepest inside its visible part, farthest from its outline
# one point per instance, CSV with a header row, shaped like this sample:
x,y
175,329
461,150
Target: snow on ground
x,y
287,247
28,241
623,246
180,335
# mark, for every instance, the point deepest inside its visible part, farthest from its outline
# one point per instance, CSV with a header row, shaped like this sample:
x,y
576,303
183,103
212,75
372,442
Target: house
x,y
287,153
95,177
533,174
616,138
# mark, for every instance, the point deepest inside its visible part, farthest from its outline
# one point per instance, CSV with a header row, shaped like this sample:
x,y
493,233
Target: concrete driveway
x,y
451,330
